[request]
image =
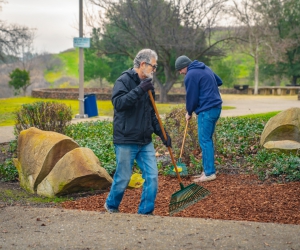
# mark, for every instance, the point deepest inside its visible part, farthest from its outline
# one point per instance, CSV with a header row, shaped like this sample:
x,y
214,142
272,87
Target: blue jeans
x,y
146,160
206,126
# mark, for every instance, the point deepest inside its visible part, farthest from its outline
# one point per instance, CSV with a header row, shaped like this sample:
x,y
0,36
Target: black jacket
x,y
134,116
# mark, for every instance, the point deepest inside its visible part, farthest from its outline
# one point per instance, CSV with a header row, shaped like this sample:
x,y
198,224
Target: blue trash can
x,y
90,105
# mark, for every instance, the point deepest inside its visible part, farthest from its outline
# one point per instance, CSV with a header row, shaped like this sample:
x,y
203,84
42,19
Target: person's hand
x,y
168,142
187,116
146,84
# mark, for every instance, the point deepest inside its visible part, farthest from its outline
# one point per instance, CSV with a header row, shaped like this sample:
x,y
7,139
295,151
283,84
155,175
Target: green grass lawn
x,y
10,105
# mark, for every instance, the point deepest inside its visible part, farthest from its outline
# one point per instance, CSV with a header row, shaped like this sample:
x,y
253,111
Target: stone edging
x,y
179,96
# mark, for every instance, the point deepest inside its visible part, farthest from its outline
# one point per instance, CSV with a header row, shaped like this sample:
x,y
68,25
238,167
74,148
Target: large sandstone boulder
x,y
282,132
78,170
38,152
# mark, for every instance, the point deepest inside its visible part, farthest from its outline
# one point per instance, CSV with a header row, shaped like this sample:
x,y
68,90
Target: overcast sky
x,y
56,21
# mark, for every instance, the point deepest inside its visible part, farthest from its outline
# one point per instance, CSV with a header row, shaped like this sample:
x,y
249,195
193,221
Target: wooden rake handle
x,y
186,126
164,133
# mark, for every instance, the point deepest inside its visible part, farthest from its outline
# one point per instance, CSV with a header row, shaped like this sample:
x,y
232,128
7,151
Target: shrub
x,y
238,137
8,171
236,146
175,124
47,116
98,137
286,167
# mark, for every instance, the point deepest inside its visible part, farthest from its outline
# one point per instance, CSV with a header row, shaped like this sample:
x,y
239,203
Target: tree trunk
x,y
163,96
277,80
294,80
164,88
256,76
24,88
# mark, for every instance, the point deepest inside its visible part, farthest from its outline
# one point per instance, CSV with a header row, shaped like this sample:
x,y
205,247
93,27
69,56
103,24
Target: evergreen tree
x,y
20,79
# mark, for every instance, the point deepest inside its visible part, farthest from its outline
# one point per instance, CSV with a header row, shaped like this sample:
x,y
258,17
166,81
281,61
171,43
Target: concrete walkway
x,y
247,105
50,228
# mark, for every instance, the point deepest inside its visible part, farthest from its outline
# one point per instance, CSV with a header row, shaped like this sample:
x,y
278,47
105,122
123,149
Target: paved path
x,y
48,228
246,105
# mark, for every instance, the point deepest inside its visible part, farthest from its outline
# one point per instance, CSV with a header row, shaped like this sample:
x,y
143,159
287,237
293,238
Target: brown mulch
x,y
233,197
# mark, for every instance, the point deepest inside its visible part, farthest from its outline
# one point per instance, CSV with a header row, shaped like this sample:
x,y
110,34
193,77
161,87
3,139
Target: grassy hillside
x,y
70,60
65,73
61,71
240,64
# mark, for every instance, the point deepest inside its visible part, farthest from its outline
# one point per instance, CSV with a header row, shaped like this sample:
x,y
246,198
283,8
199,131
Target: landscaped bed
x,y
233,197
252,183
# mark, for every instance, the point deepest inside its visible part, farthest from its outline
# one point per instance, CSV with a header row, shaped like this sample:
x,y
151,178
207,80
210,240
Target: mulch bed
x,y
233,197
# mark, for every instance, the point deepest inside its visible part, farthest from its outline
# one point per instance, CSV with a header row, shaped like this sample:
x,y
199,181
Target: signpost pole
x,y
81,69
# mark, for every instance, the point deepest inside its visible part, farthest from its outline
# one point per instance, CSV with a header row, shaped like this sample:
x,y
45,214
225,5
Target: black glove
x,y
168,142
146,84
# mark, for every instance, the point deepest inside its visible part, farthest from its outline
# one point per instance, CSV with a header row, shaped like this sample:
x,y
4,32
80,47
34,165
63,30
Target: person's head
x,y
145,63
182,63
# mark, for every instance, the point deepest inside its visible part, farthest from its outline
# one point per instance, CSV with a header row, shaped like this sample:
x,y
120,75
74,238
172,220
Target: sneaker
x,y
110,210
204,178
198,176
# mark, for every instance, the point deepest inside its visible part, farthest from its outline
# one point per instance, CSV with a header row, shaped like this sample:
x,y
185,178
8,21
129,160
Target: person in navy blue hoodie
x,y
202,98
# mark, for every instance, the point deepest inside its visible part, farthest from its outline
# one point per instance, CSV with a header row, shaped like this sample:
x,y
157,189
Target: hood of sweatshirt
x,y
196,65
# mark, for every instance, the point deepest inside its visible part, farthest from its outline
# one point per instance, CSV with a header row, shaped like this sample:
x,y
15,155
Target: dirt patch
x,y
233,197
11,194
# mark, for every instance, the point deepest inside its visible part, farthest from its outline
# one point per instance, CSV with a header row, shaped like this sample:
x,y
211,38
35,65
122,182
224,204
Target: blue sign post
x,y
81,42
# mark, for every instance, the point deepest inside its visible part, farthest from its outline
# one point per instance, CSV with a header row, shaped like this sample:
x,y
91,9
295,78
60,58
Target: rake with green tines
x,y
186,196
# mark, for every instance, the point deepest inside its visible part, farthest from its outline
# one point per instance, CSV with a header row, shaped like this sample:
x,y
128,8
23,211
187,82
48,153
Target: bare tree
x,y
12,37
282,18
172,28
25,51
252,29
16,45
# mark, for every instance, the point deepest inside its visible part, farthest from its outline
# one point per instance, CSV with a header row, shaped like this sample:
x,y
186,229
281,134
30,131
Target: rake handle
x,y
164,133
186,126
